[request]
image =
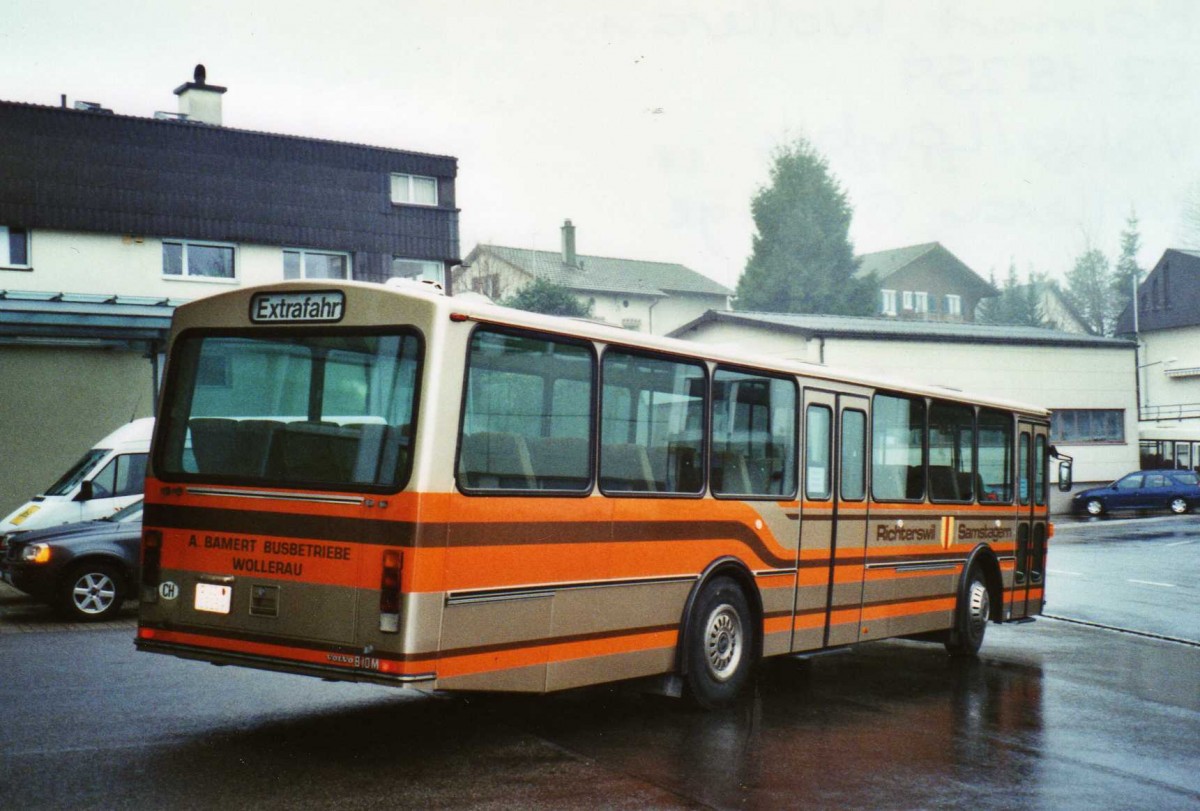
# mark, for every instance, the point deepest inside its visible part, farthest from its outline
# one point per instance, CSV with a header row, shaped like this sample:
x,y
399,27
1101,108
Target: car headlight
x,y
36,553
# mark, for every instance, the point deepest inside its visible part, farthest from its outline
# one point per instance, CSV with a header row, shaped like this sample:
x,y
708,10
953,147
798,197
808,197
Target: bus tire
x,y
970,617
720,645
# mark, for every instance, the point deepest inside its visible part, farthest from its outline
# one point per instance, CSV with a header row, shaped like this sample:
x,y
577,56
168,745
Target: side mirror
x,y
1064,476
86,491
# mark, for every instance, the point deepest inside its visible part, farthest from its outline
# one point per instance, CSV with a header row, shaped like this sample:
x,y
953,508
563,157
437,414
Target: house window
x,y
198,260
887,302
907,299
953,304
1087,425
14,247
416,190
300,264
921,302
418,269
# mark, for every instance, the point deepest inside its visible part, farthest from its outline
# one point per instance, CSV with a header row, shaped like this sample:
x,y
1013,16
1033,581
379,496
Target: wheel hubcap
x,y
94,593
723,642
1178,505
1095,507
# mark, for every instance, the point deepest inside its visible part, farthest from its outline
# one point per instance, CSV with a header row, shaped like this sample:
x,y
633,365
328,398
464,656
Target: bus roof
x,y
233,308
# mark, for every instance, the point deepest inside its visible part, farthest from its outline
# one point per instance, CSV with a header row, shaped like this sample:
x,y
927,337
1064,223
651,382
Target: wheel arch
x,y
80,562
739,573
984,558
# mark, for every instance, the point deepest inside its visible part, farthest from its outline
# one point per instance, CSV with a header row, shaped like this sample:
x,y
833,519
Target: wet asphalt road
x,y
1053,715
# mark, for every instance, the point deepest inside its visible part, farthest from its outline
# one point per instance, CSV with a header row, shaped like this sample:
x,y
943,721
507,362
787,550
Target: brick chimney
x,y
200,101
568,244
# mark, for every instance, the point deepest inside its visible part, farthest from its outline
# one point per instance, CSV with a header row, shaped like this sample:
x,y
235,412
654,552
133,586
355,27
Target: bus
x,y
1169,446
382,483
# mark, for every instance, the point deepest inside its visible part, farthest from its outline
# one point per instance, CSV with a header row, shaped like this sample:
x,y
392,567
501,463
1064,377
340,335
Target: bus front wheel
x,y
720,645
971,617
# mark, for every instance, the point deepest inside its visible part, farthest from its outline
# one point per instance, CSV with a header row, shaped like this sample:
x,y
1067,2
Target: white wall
x,y
74,262
1164,396
1050,377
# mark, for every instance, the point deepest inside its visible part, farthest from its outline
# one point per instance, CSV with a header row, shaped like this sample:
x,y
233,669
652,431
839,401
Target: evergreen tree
x,y
802,259
1127,275
1017,305
541,296
1090,291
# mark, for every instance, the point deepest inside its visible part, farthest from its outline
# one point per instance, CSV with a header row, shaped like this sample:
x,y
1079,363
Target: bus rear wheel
x,y
720,645
970,618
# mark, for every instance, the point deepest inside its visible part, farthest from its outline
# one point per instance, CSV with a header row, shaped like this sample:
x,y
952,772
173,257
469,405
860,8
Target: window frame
x,y
974,424
866,455
593,417
830,462
171,399
953,304
306,252
393,177
440,265
887,302
6,232
705,420
1058,417
183,275
710,406
924,431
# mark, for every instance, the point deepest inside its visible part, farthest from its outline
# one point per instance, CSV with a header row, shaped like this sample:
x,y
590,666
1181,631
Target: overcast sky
x,y
1007,131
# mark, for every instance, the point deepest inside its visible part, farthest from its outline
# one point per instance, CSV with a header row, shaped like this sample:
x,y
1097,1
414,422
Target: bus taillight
x,y
151,563
389,592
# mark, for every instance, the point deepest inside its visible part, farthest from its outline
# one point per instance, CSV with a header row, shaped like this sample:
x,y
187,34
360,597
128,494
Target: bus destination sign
x,y
319,306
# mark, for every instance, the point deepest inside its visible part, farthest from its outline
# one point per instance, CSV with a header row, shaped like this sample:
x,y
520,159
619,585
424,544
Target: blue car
x,y
86,570
1174,490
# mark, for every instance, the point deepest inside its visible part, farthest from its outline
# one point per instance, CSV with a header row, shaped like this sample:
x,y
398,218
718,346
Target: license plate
x,y
20,517
212,598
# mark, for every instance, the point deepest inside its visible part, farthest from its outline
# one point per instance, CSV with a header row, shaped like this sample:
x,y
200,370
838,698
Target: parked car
x,y
85,570
1174,490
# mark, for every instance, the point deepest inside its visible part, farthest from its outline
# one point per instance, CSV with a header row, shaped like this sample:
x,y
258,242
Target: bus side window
x,y
897,448
527,415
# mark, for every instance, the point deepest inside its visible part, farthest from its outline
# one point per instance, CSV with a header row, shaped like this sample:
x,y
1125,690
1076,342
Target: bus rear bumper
x,y
419,681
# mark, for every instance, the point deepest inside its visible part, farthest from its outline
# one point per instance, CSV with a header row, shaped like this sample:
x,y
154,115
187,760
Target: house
x,y
653,297
1057,312
1084,380
926,283
107,221
1166,327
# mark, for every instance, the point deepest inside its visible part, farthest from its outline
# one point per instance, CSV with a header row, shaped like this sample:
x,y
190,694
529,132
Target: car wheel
x,y
1094,506
970,618
91,592
1179,506
720,645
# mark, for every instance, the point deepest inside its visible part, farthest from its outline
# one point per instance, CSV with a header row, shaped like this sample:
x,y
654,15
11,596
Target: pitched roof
x,y
890,329
607,275
1169,296
884,263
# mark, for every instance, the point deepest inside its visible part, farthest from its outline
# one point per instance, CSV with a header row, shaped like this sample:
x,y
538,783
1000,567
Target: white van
x,y
108,477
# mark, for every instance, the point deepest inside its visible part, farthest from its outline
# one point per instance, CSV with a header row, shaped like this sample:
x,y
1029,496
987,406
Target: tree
x,y
802,259
1017,305
1090,291
541,296
1127,275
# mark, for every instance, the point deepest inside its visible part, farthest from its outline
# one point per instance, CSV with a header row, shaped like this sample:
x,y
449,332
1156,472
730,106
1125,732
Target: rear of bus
x,y
276,522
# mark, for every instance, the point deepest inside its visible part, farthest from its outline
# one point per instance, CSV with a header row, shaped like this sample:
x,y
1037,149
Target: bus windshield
x,y
319,410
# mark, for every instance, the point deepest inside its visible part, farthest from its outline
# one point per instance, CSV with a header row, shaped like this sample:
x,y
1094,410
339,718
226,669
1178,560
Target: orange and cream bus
x,y
376,483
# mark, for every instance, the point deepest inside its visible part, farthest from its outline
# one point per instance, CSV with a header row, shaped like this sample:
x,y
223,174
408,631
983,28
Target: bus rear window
x,y
332,411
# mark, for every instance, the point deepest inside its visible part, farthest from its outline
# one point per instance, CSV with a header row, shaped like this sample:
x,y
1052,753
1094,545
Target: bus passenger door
x,y
1040,522
833,520
850,522
1030,473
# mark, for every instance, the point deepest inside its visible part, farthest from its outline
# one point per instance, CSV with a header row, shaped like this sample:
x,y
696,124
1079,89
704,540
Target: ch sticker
x,y
168,590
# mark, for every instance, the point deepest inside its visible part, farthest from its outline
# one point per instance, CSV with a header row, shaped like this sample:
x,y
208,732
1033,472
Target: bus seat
x,y
626,467
214,443
318,451
914,483
560,462
943,483
492,459
730,473
256,446
682,469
